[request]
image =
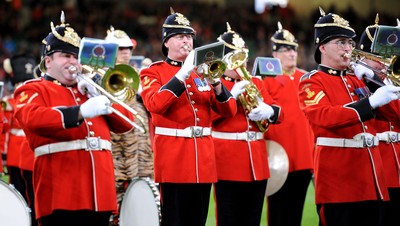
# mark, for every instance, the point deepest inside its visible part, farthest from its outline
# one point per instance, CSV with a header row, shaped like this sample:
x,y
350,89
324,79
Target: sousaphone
x,y
278,166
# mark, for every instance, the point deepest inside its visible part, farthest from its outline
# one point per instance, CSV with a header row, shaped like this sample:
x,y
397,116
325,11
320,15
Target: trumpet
x,y
392,64
119,86
212,69
236,60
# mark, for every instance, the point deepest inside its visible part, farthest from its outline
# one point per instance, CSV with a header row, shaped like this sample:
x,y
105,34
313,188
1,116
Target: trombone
x,y
392,64
116,80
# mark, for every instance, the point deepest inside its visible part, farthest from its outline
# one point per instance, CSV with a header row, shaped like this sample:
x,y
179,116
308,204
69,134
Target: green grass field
x,y
310,217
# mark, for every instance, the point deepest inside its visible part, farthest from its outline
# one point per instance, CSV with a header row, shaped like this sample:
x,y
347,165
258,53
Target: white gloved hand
x,y
202,69
384,95
238,88
387,81
263,111
360,71
85,88
187,67
98,105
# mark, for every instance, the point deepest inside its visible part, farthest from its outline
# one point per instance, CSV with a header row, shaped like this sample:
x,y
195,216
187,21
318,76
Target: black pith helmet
x,y
368,35
62,38
20,67
176,23
232,40
283,38
327,27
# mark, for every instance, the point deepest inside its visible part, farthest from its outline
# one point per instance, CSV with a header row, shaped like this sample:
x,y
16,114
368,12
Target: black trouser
x,y
392,208
184,204
366,213
16,179
285,207
239,203
76,218
30,197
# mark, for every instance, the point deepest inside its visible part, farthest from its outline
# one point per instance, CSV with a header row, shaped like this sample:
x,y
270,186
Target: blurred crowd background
x,y
24,23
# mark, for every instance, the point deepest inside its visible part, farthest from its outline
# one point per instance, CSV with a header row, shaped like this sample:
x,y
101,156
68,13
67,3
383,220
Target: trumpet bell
x,y
122,82
216,69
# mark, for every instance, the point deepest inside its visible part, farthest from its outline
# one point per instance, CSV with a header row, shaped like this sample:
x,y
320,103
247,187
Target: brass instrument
x,y
119,85
392,64
212,69
236,60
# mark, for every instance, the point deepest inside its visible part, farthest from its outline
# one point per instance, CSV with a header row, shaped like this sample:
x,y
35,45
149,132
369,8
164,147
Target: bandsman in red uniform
x,y
132,153
70,135
388,132
294,134
180,104
21,68
241,151
349,177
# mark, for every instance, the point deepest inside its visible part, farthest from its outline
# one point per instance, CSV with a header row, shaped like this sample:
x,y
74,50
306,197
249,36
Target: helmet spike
x,y
62,17
377,19
172,10
279,26
321,11
228,27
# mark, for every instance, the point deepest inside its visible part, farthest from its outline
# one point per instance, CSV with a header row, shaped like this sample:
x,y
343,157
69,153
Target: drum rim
x,y
11,188
153,188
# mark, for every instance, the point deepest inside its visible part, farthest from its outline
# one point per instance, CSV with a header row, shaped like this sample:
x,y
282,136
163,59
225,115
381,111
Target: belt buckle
x,y
197,131
368,141
251,136
92,143
393,137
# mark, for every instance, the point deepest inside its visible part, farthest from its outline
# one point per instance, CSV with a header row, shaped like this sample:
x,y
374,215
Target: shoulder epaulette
x,y
308,75
32,80
156,63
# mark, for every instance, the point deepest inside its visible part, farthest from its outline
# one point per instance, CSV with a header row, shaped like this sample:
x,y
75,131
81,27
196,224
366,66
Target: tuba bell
x,y
236,60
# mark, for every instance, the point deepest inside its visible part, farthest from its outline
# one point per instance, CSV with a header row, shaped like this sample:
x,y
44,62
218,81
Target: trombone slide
x,y
127,107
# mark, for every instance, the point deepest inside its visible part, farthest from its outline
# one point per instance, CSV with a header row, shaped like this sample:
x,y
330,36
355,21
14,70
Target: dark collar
x,y
331,71
174,62
51,79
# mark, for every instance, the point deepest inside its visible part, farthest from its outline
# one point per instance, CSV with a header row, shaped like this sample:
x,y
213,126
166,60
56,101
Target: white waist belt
x,y
190,132
88,144
389,136
17,132
247,136
360,141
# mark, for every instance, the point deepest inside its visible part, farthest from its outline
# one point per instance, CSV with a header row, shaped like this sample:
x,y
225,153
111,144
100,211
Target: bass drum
x,y
278,166
141,204
13,208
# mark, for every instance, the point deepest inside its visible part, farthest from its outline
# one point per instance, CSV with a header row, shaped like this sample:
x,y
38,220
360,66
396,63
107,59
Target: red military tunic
x,y
389,147
27,156
14,135
69,180
330,100
2,119
178,105
241,160
294,133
